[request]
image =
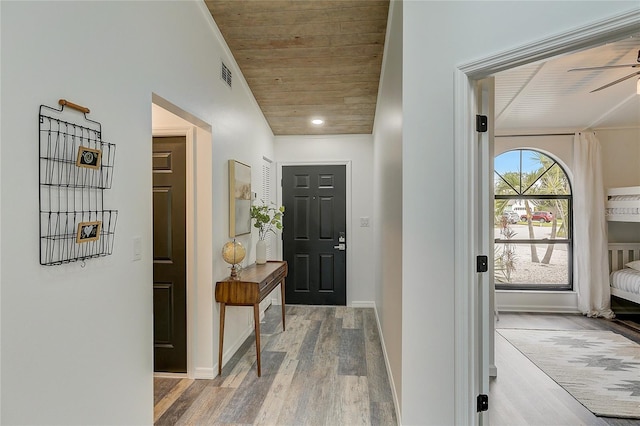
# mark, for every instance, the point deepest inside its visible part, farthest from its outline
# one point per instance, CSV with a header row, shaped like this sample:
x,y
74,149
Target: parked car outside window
x,y
539,217
511,216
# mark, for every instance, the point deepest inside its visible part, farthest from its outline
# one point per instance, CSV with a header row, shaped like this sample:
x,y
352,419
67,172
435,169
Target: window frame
x,y
568,241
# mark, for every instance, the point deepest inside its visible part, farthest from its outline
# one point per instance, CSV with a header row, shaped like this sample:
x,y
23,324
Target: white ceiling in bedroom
x,y
546,96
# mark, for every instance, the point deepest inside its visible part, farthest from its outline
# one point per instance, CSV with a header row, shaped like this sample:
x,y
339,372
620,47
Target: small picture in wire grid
x,y
88,157
88,231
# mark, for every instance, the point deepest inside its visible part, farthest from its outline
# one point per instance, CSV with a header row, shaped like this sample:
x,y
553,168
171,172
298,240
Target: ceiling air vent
x,y
225,74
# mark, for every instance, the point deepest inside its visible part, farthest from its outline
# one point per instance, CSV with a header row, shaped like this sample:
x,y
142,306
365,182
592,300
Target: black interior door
x,y
314,236
169,254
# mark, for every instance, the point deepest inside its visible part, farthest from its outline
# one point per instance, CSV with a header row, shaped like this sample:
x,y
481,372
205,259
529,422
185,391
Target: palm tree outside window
x,y
532,227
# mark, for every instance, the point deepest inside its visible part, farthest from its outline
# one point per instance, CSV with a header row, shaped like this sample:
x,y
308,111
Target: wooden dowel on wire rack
x,y
80,108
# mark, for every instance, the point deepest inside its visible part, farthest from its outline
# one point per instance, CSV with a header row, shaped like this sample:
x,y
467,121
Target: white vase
x,y
261,252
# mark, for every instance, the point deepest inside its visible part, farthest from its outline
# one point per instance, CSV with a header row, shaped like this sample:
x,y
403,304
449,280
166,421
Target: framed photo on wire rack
x,y
88,157
88,231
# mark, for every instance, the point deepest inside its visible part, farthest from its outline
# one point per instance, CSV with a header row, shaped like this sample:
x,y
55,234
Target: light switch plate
x,y
137,248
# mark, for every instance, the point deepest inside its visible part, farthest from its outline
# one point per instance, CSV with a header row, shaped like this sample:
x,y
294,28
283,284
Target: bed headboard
x,y
623,204
621,253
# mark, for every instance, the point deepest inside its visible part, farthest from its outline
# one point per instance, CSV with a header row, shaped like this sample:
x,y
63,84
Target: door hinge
x,y
483,402
482,263
481,123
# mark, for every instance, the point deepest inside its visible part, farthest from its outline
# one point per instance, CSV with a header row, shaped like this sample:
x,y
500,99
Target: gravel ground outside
x,y
526,272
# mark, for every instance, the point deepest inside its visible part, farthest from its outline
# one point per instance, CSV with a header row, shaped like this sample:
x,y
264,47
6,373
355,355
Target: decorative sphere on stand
x,y
233,253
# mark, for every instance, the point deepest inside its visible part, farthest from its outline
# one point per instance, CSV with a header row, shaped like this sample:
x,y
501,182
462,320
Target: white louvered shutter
x,y
269,196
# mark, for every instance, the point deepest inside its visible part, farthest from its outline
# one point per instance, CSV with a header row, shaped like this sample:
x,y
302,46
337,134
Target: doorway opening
x,y
169,255
169,120
468,200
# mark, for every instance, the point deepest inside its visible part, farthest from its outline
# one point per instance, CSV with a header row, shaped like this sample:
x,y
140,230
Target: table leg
x,y
282,293
221,339
256,318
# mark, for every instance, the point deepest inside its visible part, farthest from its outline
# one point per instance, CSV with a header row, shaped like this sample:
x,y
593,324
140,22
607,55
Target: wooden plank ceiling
x,y
306,59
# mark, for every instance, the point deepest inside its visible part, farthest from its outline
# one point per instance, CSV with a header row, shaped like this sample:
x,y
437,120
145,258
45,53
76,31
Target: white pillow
x,y
634,265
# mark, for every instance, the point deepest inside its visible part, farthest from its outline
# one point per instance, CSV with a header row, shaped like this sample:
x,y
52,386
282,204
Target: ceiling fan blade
x,y
617,81
605,67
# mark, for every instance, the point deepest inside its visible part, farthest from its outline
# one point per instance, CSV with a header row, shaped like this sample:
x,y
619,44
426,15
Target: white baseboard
x,y
265,304
200,373
204,373
386,358
227,354
493,371
363,305
166,375
539,309
536,301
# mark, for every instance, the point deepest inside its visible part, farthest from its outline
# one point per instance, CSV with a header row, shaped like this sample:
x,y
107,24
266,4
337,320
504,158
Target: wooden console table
x,y
252,285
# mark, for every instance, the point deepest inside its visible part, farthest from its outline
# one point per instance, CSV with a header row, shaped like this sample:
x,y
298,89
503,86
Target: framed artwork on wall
x,y
239,198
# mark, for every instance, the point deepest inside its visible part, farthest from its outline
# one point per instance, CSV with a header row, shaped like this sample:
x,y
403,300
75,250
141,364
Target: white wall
x,y
387,184
438,37
0,244
621,167
620,156
77,342
559,147
358,150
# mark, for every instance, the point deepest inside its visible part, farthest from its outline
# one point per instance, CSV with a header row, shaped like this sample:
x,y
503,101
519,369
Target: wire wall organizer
x,y
76,166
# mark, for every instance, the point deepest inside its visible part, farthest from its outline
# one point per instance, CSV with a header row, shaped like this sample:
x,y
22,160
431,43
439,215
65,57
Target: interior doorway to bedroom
x,y
604,36
539,108
169,121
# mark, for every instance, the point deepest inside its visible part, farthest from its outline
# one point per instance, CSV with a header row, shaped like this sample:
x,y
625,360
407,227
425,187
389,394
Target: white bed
x,y
623,204
625,282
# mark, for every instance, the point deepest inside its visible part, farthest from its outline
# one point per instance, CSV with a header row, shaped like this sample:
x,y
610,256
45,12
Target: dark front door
x,y
314,198
169,254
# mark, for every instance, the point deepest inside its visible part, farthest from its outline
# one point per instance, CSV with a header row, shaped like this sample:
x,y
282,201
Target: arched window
x,y
533,231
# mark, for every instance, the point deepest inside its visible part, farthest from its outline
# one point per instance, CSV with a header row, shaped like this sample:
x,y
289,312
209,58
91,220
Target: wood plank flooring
x,y
524,395
326,369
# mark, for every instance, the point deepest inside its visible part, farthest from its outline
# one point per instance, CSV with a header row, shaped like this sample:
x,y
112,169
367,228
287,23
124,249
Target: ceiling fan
x,y
636,65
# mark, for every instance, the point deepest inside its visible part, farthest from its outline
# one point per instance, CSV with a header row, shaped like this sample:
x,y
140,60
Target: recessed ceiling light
x,y
317,121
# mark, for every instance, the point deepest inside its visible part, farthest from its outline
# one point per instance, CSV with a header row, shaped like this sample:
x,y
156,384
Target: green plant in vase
x,y
267,218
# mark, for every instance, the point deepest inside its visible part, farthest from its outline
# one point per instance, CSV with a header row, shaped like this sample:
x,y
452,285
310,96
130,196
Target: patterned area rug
x,y
601,369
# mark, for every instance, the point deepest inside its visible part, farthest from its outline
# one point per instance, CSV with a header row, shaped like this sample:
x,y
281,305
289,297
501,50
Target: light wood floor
x,y
522,394
326,369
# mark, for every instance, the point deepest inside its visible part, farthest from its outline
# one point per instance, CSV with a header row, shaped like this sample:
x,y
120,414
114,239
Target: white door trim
x,y
347,164
465,162
464,248
585,37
